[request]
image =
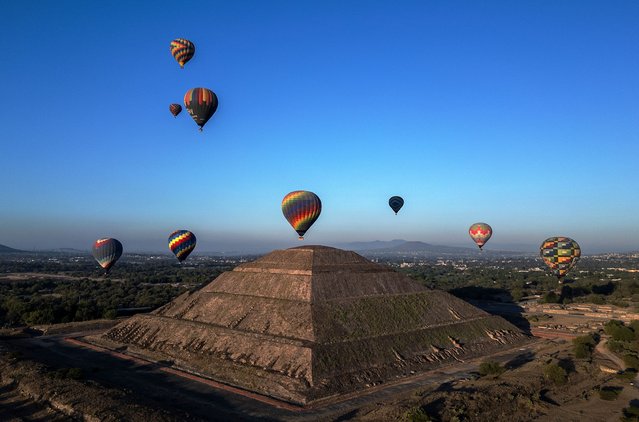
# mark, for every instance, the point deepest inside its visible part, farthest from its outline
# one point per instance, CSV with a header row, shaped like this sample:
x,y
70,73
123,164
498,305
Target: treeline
x,y
50,301
505,284
130,285
619,293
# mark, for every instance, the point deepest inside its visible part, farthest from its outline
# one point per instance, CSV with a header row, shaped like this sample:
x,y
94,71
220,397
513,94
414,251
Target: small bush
x,y
615,346
618,331
631,361
631,413
75,374
629,374
417,414
110,314
67,373
551,297
14,355
584,345
555,373
491,368
610,393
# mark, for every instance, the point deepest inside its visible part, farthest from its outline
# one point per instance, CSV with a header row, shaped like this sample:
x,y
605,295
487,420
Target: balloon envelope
x,y
301,208
107,251
480,233
175,109
560,254
396,203
201,103
182,50
182,243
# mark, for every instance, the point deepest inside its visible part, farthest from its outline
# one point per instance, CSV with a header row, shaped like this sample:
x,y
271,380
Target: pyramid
x,y
312,323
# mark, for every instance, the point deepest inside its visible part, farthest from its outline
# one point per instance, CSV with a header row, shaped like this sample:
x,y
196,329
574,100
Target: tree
x,y
609,393
631,361
618,330
491,368
551,297
583,346
555,373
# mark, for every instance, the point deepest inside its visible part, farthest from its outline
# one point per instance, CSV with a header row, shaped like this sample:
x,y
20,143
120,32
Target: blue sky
x,y
524,115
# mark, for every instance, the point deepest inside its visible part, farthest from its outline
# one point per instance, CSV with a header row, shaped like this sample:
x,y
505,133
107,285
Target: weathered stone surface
x,y
311,322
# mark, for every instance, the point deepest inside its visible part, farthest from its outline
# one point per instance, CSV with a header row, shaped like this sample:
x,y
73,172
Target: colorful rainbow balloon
x,y
107,251
182,50
480,233
301,208
182,243
560,254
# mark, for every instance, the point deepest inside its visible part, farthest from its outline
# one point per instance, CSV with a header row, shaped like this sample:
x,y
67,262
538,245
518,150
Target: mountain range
x,y
6,249
404,247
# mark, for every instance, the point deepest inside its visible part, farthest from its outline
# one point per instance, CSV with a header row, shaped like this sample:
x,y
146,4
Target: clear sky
x,y
524,115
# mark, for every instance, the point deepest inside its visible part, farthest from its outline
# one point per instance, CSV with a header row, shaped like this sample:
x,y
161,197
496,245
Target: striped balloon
x,y
560,254
182,243
175,109
396,203
201,103
301,208
107,251
480,233
182,50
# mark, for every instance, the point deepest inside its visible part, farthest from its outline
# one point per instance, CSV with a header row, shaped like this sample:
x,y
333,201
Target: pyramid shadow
x,y
506,307
146,384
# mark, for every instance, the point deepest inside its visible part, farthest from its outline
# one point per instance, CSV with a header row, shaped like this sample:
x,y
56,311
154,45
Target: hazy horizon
x,y
520,115
206,246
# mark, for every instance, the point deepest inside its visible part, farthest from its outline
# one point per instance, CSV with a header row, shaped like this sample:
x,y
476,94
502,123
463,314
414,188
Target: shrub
x,y
631,361
583,346
582,351
618,331
110,314
615,346
609,393
67,373
631,412
75,373
555,373
491,368
629,374
417,414
551,297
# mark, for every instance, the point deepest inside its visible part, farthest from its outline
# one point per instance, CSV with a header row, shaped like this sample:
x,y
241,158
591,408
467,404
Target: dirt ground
x,y
30,391
519,394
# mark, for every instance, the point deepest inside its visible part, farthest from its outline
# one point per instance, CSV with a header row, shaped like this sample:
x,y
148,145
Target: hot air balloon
x,y
201,104
301,208
182,243
175,109
107,251
182,50
560,254
396,203
480,233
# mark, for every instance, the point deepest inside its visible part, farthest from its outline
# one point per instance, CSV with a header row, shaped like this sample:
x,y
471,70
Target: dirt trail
x,y
602,350
16,407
